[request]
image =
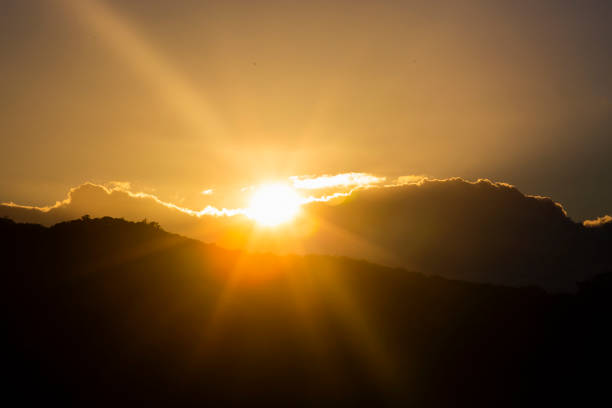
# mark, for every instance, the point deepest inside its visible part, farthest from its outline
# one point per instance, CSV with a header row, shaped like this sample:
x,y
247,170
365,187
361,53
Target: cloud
x,y
480,230
338,180
410,179
121,185
598,222
471,230
113,199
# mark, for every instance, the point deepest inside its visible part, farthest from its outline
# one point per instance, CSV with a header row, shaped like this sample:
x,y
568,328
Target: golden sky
x,y
180,97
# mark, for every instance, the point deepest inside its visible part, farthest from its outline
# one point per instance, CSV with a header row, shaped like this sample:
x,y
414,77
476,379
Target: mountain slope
x,y
107,311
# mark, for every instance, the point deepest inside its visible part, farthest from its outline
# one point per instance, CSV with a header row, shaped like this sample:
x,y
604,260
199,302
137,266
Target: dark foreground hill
x,y
104,311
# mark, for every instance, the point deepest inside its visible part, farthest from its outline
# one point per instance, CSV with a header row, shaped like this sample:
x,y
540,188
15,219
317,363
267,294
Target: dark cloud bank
x,y
479,231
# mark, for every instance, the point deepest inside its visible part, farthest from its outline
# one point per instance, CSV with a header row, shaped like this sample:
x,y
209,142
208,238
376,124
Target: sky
x,y
181,97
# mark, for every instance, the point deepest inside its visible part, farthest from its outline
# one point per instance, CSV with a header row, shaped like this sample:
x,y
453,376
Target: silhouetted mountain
x,y
475,231
104,311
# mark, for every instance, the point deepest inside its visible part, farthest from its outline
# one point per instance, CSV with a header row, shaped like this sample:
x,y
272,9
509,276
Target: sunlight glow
x,y
338,180
273,204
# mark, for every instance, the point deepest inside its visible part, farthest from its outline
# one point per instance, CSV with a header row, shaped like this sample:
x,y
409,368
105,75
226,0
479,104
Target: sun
x,y
273,204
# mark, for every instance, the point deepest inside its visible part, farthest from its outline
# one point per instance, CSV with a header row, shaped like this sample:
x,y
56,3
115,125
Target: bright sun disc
x,y
274,204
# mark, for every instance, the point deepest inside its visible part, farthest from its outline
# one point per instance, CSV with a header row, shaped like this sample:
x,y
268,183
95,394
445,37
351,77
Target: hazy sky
x,y
181,96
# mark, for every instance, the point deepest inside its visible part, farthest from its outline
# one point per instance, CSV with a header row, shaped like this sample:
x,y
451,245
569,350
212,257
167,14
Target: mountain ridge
x,y
109,311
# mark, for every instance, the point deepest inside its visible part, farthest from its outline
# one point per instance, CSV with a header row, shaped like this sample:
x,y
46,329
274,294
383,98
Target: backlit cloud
x,y
606,219
410,179
338,180
123,188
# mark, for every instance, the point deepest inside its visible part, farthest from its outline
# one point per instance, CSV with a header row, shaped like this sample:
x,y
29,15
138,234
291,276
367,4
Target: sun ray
x,y
174,89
